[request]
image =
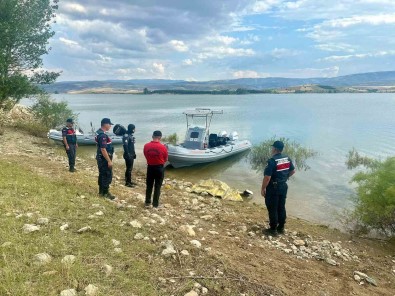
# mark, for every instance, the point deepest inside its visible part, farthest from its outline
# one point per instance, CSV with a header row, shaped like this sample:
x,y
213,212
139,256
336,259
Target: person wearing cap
x,y
70,143
274,187
105,151
156,154
129,154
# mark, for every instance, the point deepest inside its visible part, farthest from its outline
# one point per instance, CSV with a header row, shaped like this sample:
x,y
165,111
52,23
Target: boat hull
x,y
82,139
183,157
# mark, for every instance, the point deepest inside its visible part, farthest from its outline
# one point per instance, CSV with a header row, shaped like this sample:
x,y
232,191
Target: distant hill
x,y
361,81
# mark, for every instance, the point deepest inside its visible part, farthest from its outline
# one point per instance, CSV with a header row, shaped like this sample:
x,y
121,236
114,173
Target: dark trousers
x,y
129,167
105,173
155,175
71,153
275,204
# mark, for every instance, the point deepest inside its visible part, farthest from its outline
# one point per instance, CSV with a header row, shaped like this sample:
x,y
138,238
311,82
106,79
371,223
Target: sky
x,y
200,40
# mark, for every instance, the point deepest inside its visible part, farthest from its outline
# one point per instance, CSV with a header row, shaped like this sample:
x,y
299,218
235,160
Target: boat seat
x,y
212,140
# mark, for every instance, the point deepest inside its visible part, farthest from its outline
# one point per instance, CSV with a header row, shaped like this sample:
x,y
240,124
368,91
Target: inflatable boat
x,y
200,146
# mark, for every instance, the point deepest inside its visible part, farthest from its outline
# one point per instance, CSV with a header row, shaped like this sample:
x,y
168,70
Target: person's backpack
x,y
119,130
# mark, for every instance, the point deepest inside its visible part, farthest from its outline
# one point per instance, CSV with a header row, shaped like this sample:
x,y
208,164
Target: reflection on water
x,y
331,124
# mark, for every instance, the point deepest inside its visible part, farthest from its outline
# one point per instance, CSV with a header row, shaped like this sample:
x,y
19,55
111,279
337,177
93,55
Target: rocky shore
x,y
75,243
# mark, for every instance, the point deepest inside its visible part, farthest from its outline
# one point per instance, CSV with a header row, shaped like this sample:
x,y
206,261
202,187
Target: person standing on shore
x,y
105,151
156,154
129,154
274,187
70,143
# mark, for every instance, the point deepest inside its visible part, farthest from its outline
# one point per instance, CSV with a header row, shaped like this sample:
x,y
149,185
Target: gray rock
x,y
191,293
107,269
42,221
69,292
196,243
42,259
84,229
138,236
188,229
366,278
331,262
135,224
115,242
68,259
28,228
64,227
91,290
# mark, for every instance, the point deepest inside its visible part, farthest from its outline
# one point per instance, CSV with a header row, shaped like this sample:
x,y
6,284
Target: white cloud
x,y
337,58
179,45
73,7
262,6
158,68
246,74
187,62
375,20
335,47
311,72
283,52
68,42
221,52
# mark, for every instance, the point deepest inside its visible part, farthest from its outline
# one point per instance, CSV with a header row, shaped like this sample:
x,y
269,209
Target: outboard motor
x,y
223,134
234,136
222,138
119,130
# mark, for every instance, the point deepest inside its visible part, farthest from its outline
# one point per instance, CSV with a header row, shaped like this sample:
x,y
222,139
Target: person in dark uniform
x,y
156,154
274,187
105,151
70,143
129,154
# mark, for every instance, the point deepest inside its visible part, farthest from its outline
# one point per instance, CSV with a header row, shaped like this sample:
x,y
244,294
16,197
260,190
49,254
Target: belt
x,y
156,165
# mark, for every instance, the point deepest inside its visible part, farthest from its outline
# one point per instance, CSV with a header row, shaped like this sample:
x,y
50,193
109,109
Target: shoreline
x,y
309,258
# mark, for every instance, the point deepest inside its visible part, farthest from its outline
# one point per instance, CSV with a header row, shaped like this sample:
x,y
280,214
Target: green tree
x,y
261,153
50,113
375,194
25,28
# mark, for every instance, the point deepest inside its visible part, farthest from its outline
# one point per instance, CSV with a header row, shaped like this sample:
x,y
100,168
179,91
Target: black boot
x,y
101,191
107,194
270,231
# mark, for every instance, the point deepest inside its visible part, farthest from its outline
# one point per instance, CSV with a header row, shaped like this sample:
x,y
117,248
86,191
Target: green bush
x,y
51,114
261,153
32,127
171,139
375,196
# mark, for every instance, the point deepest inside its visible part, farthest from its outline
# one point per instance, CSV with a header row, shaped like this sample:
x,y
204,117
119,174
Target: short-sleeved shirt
x,y
103,141
70,135
156,153
278,168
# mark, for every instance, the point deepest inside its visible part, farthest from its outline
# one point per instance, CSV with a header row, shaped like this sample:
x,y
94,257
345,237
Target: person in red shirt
x,y
156,154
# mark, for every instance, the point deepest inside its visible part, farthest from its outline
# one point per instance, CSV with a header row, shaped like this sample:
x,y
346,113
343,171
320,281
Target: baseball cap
x,y
157,134
278,145
70,120
106,121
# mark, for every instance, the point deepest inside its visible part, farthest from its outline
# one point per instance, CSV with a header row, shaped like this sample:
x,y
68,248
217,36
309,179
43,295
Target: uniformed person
x,y
129,154
70,143
274,187
105,151
156,154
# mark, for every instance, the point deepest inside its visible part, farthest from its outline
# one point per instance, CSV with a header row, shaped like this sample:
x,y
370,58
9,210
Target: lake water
x,y
331,124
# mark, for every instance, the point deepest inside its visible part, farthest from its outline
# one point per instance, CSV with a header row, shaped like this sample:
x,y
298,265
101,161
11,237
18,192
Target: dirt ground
x,y
238,252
